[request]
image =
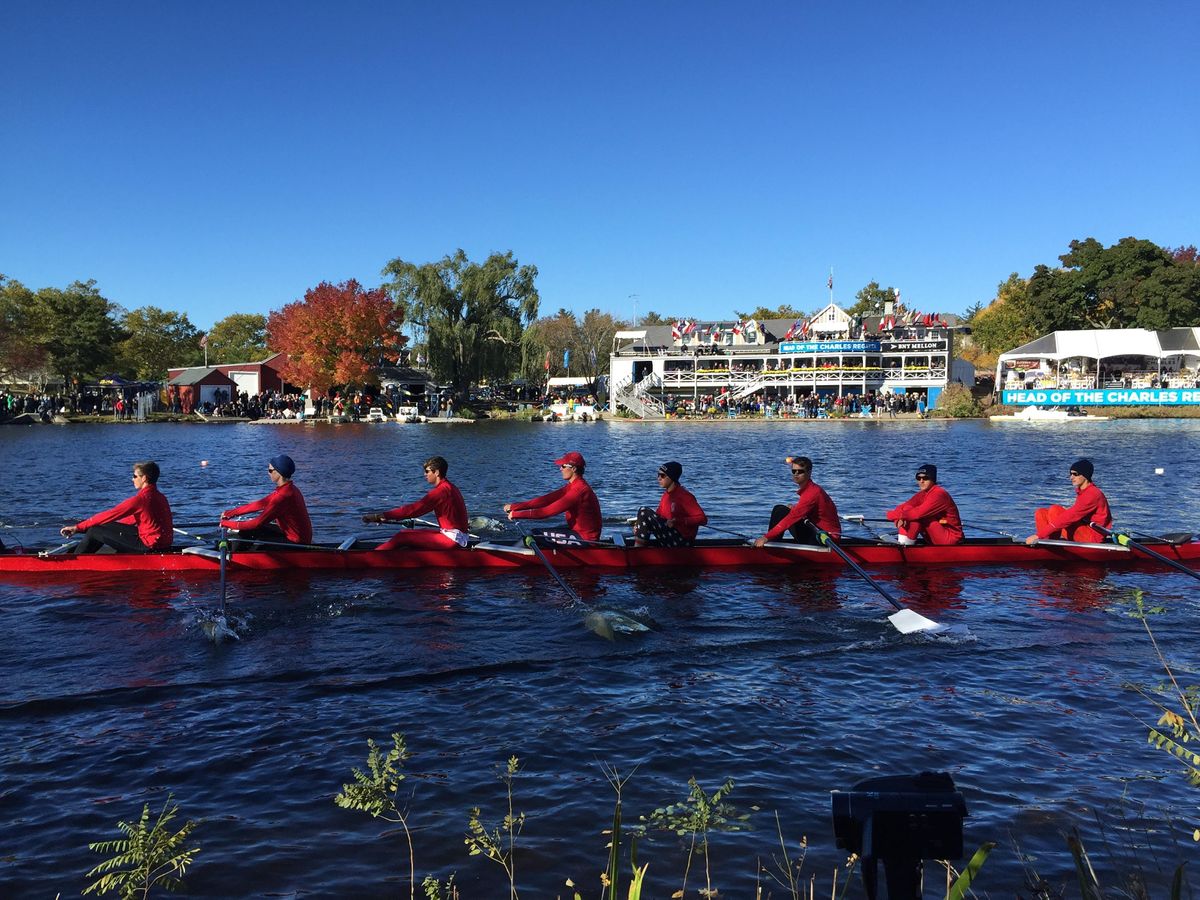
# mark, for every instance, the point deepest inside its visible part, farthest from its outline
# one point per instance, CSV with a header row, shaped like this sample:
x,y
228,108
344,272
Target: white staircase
x,y
636,397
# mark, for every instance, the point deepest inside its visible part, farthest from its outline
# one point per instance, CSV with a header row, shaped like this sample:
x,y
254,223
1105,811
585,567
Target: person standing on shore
x,y
812,507
141,524
282,514
575,500
444,499
930,511
678,517
1074,524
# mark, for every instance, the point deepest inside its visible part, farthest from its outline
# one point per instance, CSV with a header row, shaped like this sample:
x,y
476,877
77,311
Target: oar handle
x,y
1126,541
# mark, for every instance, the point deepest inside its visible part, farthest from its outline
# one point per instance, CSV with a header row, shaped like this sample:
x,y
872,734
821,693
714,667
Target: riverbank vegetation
x,y
478,321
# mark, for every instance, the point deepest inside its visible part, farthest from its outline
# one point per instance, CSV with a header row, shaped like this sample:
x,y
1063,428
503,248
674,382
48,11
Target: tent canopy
x,y
1108,342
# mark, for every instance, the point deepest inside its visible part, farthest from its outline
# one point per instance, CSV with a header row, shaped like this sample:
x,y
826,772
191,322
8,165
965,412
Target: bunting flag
x,y
676,333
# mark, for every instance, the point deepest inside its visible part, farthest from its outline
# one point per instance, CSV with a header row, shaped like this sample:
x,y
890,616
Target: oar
x,y
905,620
735,534
1126,541
599,622
990,530
861,522
218,627
199,525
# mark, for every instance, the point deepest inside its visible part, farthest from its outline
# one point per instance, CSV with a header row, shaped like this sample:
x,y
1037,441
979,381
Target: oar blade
x,y
907,622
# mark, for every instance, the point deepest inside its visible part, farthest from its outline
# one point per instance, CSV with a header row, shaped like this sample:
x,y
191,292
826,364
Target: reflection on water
x,y
790,682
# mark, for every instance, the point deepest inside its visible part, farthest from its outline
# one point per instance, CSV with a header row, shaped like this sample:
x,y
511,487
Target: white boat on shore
x,y
1038,415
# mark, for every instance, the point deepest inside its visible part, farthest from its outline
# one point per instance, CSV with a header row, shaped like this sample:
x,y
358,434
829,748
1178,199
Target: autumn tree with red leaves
x,y
339,334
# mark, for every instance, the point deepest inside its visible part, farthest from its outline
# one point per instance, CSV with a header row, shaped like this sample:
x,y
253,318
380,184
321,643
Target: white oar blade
x,y
906,622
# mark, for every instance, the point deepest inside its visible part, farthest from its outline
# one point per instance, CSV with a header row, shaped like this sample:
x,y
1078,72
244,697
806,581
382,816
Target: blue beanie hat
x,y
283,465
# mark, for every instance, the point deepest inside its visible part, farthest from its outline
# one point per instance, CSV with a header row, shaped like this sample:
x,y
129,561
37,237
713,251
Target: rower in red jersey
x,y
1074,524
575,500
282,514
443,499
812,507
140,524
930,512
678,517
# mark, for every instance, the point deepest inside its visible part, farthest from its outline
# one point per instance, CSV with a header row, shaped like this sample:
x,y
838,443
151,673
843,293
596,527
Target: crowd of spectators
x,y
883,404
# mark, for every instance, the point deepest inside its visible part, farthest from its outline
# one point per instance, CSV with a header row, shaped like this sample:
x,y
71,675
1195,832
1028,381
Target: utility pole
x,y
634,298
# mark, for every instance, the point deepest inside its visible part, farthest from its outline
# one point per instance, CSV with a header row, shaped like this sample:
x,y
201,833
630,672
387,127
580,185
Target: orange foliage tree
x,y
339,334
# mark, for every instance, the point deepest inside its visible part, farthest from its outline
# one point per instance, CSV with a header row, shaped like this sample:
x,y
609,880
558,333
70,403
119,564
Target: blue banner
x,y
1104,397
829,347
566,359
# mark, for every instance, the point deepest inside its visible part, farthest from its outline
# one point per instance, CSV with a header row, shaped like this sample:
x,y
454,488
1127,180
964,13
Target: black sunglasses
x,y
799,471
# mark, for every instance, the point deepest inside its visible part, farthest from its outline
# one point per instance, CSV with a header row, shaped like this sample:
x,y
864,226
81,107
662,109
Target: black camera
x,y
901,820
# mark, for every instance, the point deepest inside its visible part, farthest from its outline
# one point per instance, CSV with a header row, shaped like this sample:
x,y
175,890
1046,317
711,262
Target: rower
x,y
282,514
930,512
575,500
444,499
812,503
141,524
1074,524
678,517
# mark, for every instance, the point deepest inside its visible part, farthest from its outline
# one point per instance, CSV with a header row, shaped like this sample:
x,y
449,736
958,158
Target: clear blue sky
x,y
223,157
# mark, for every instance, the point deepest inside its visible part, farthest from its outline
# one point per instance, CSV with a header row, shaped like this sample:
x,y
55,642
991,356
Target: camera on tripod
x,y
901,820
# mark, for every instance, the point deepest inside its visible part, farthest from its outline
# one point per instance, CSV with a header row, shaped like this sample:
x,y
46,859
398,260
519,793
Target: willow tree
x,y
473,314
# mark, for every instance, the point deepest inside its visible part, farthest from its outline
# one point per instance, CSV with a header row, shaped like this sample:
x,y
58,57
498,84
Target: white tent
x,y
1103,344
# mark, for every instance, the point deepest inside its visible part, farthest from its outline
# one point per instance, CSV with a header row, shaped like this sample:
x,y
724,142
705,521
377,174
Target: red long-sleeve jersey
x,y
285,505
575,500
927,507
680,505
149,510
812,504
1090,506
445,500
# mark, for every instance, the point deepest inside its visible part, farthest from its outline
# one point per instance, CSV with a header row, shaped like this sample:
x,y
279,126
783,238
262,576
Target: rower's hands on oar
x,y
68,530
761,542
1031,540
373,518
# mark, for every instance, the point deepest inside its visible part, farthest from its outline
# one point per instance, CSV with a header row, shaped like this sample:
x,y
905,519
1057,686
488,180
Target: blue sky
x,y
223,157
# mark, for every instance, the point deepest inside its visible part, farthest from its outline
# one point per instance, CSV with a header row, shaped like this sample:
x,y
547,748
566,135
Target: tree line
x,y
478,321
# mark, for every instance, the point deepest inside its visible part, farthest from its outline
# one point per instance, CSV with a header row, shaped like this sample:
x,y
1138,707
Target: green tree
x,y
22,345
869,301
1133,283
80,329
473,314
653,318
761,313
550,335
241,337
157,340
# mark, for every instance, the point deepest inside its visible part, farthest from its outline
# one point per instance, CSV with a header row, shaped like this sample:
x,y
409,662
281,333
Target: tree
x,y
473,314
157,340
550,336
80,330
241,337
1133,283
653,318
782,311
1006,322
595,341
337,335
870,300
22,347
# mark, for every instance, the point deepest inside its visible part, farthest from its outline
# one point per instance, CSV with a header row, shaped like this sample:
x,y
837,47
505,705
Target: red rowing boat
x,y
705,554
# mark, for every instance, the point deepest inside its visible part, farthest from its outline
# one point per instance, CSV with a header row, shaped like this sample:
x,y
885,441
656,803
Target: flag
x,y
831,281
792,331
805,328
204,340
676,333
566,358
547,360
716,333
592,356
689,327
737,329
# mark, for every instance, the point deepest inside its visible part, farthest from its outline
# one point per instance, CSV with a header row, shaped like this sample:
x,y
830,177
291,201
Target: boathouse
x,y
831,354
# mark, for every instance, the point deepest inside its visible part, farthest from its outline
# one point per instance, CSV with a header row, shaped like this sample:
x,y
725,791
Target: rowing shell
x,y
705,554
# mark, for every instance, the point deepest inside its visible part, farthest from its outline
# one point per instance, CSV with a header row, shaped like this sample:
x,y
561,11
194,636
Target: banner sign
x,y
1104,397
914,346
829,347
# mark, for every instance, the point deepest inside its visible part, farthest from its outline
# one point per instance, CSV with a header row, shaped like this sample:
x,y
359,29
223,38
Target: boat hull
x,y
716,554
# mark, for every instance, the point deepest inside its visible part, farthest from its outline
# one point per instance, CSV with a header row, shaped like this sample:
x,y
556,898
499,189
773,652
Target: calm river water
x,y
789,683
